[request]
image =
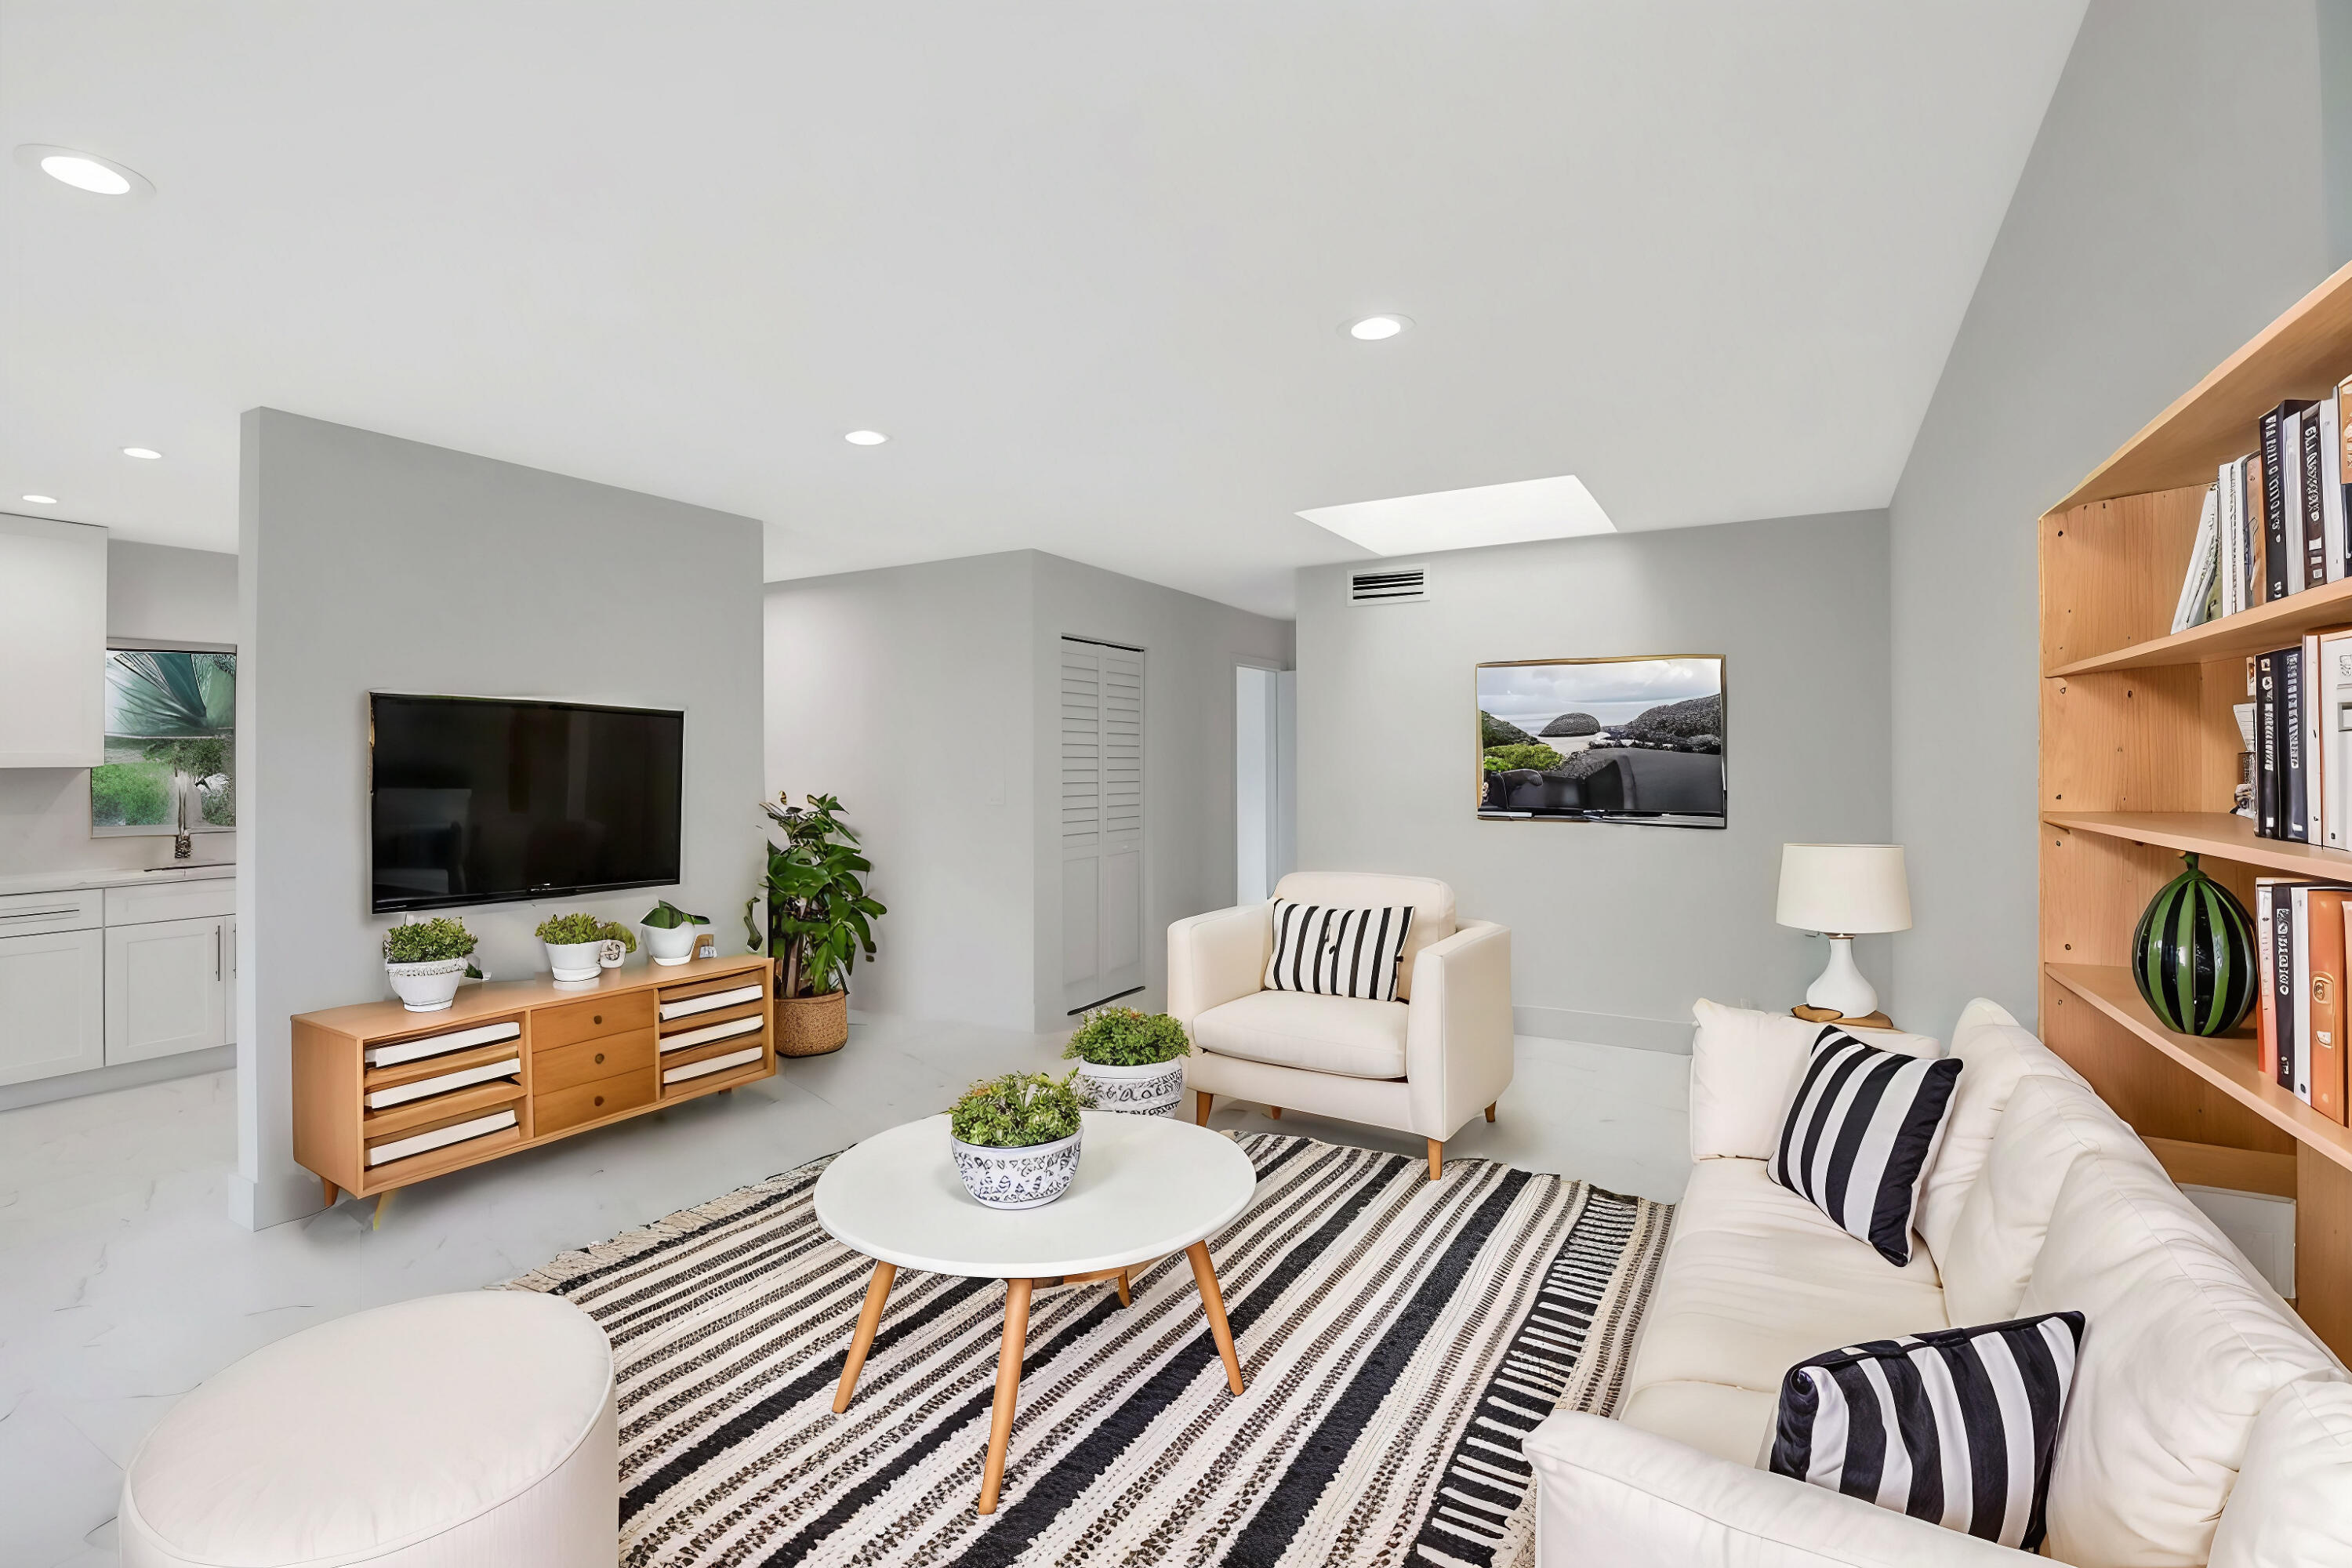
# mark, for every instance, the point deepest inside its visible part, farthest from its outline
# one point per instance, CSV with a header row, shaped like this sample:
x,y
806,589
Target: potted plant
x,y
671,932
1015,1139
817,922
1130,1061
579,946
428,962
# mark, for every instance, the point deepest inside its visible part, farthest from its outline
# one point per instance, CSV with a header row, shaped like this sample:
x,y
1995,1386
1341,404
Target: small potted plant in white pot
x,y
428,962
1131,1061
579,946
1015,1139
671,932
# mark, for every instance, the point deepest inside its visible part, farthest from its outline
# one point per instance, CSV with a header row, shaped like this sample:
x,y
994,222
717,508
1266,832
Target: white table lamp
x,y
1843,891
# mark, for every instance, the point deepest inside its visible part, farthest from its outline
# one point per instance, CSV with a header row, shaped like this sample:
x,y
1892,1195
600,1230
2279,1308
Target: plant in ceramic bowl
x,y
426,962
1130,1060
671,932
579,946
1015,1139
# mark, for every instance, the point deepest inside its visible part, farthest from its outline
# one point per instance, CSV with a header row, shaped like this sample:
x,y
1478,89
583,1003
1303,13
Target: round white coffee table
x,y
1147,1186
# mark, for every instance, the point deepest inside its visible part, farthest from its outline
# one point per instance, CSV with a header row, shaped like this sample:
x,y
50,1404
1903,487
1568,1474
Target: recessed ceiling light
x,y
147,452
866,438
1372,329
85,171
40,501
1515,513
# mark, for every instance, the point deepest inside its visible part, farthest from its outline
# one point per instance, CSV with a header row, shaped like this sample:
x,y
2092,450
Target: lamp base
x,y
1831,1015
1841,986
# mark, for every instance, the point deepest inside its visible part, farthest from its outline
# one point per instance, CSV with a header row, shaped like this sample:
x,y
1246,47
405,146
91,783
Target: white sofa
x,y
2205,1422
1424,1064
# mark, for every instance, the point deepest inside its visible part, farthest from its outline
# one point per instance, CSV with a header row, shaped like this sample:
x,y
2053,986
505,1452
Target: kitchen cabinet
x,y
52,644
51,1004
166,988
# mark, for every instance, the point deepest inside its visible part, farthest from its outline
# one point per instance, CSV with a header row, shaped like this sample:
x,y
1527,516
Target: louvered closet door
x,y
1102,822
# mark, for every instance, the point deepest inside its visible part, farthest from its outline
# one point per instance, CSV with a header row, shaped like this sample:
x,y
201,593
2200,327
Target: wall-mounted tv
x,y
481,800
1604,739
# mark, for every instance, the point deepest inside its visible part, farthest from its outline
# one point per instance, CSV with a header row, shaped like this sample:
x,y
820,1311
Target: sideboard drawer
x,y
616,1014
590,1101
607,1055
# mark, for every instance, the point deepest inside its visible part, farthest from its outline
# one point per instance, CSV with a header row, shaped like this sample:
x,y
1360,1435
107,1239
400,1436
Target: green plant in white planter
x,y
580,945
426,962
1015,1139
671,932
1130,1060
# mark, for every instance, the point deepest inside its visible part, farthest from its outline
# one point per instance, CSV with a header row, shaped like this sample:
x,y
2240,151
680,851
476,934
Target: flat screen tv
x,y
481,800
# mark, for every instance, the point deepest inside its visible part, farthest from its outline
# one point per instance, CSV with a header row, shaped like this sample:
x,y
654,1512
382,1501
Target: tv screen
x,y
476,800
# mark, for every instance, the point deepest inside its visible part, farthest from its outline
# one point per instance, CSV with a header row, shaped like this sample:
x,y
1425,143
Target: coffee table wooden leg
x,y
869,1318
1008,1388
1201,1100
1212,1301
1125,1300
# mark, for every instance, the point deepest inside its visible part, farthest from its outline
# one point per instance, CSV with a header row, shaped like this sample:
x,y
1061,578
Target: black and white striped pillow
x,y
1956,1425
1332,951
1860,1133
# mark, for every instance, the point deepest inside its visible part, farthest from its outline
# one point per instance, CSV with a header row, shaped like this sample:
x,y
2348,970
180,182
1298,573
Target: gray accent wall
x,y
371,564
1616,929
2172,206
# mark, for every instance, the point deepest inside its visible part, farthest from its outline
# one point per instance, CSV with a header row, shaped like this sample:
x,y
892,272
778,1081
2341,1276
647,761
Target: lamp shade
x,y
1846,888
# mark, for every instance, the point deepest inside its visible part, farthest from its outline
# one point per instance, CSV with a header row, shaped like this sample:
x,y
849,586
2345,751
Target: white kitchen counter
x,y
66,881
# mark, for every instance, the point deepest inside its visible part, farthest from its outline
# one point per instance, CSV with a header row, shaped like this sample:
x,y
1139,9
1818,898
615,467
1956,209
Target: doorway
x,y
1266,794
1102,808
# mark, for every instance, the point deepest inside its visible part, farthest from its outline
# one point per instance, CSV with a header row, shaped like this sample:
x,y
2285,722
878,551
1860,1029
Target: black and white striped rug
x,y
1397,1336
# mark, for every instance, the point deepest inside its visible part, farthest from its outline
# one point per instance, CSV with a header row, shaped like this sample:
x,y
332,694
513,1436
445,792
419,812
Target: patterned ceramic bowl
x,y
1151,1089
1024,1178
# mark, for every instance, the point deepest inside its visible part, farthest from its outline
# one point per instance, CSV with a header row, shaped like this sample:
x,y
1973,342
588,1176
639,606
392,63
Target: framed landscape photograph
x,y
1604,739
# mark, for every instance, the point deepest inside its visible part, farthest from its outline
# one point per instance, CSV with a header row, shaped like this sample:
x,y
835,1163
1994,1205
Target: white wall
x,y
368,562
2173,205
152,590
1616,929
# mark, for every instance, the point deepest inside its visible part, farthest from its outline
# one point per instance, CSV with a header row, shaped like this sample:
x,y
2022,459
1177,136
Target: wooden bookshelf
x,y
2139,757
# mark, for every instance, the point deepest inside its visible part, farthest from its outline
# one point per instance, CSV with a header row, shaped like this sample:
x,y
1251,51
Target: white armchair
x,y
1425,1064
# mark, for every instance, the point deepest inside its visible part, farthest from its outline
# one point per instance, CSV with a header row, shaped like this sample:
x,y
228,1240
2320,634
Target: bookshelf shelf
x,y
2138,759
2227,1062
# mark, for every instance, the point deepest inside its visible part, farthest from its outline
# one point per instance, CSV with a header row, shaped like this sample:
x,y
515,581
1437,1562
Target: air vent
x,y
1388,586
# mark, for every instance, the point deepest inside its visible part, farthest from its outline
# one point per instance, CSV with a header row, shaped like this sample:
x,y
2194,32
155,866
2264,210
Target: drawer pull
x,y
597,1018
600,1057
599,1099
43,914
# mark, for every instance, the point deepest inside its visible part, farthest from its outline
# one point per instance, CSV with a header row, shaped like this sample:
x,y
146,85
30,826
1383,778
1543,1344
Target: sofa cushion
x,y
1431,901
2184,1349
2293,1502
1321,1034
1756,1279
1733,1424
1328,950
1995,1052
1744,1070
1860,1134
2050,1124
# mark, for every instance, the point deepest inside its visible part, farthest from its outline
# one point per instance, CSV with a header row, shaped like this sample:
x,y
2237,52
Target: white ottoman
x,y
452,1432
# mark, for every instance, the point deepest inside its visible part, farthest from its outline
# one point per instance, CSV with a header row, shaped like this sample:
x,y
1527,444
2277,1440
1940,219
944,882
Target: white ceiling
x,y
1086,264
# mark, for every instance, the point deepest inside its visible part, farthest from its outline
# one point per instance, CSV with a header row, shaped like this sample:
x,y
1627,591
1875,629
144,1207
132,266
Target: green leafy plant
x,y
819,919
125,794
178,710
428,941
1540,758
666,916
1125,1037
569,930
1018,1110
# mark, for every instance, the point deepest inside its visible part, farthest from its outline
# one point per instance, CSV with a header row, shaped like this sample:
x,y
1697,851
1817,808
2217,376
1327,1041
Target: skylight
x,y
1515,513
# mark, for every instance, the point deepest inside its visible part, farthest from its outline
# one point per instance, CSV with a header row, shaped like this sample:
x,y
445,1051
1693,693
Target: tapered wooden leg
x,y
1124,1297
1275,1112
1212,1301
869,1318
1008,1388
1200,1098
1436,1158
1490,1112
383,1203
329,1191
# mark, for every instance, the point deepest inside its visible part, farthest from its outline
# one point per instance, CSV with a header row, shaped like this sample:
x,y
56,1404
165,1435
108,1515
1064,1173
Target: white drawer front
x,y
32,914
172,901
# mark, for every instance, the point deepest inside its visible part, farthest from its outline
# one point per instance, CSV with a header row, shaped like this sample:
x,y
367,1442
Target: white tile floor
x,y
122,1283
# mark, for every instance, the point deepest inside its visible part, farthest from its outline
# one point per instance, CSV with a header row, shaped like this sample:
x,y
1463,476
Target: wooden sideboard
x,y
383,1097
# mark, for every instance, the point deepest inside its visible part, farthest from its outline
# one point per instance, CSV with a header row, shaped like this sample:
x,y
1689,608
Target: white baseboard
x,y
1605,1029
127,1075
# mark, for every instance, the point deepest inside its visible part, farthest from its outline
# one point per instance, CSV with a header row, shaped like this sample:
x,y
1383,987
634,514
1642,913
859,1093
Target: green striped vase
x,y
2193,955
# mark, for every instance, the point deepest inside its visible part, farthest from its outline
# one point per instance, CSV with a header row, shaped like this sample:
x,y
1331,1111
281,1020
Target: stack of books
x,y
2301,929
2301,762
2272,523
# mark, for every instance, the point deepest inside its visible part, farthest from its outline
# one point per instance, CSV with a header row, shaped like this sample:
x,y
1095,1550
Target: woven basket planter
x,y
812,1025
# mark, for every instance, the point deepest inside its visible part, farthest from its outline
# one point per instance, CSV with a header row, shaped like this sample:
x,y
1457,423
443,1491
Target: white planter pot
x,y
427,987
1151,1089
1025,1178
671,944
583,960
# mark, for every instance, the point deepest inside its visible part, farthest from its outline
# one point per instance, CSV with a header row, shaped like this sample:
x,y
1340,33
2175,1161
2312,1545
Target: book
x,y
2314,758
2266,969
2309,465
2322,1086
2228,498
2331,481
2294,777
2277,558
2255,506
2295,1036
2266,769
2283,1024
2332,696
2195,605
